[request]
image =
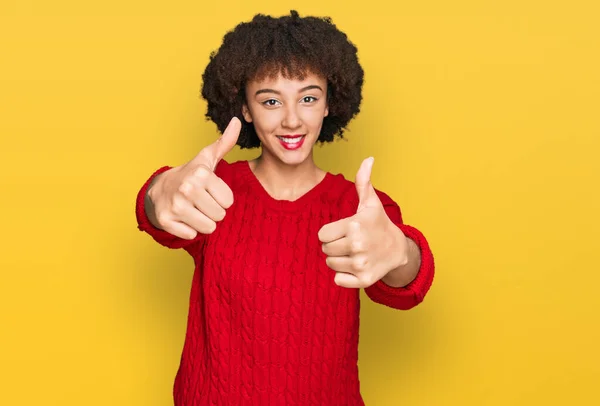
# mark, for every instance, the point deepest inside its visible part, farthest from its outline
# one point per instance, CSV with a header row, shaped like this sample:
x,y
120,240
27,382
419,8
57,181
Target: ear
x,y
246,113
326,110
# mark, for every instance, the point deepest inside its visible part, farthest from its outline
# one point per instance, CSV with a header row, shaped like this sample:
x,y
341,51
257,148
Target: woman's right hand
x,y
190,198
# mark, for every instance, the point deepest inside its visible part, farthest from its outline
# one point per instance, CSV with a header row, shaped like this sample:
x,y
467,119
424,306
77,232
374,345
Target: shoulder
x,y
231,173
343,191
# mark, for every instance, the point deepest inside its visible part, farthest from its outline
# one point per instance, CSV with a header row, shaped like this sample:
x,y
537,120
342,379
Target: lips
x,y
291,142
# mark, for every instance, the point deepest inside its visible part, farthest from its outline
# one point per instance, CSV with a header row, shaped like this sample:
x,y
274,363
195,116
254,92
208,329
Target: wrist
x,y
404,273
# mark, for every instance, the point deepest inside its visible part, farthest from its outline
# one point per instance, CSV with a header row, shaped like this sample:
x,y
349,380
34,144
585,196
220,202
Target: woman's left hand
x,y
365,247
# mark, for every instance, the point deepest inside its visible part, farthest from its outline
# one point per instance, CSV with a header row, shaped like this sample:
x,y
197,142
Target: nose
x,y
291,119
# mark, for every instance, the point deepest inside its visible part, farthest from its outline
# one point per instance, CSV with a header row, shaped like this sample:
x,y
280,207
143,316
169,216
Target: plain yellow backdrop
x,y
483,118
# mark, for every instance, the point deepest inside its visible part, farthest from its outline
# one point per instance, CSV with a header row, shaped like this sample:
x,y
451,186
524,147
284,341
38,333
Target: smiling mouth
x,y
291,140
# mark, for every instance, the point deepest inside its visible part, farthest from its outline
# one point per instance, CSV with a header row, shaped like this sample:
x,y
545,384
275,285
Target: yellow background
x,y
484,121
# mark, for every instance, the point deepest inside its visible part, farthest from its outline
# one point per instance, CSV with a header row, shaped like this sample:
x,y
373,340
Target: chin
x,y
293,159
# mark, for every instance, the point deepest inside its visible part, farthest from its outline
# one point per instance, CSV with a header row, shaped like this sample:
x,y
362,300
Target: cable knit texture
x,y
267,325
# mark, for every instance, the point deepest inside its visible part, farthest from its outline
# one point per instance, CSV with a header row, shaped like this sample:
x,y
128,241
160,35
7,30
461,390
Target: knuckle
x,y
185,189
177,206
202,172
359,263
357,246
162,218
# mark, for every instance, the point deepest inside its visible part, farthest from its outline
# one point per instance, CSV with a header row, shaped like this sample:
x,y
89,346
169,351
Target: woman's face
x,y
287,115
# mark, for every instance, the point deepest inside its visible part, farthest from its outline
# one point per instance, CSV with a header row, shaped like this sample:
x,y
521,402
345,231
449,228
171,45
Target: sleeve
x,y
163,237
411,295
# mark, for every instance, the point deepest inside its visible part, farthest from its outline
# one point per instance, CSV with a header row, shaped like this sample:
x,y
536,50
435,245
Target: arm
x,y
405,274
406,286
146,219
176,194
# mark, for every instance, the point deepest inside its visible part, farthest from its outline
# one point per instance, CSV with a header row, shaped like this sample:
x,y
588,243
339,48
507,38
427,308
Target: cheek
x,y
266,122
314,117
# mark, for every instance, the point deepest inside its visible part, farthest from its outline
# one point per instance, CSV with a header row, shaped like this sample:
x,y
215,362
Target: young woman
x,y
281,247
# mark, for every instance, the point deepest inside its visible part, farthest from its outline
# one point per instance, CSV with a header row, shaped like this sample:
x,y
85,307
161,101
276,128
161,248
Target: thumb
x,y
218,149
363,182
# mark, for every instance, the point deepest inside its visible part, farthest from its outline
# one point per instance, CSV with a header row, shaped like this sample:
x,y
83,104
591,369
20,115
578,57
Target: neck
x,y
286,182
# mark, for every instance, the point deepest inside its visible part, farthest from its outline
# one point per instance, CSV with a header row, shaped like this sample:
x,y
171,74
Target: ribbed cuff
x,y
161,236
406,297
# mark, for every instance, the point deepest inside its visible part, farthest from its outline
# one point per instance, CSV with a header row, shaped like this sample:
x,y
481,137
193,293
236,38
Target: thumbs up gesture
x,y
363,248
191,199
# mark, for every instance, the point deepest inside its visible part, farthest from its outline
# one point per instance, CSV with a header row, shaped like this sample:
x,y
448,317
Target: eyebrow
x,y
304,89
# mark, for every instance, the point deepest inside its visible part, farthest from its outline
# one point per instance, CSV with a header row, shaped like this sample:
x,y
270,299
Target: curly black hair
x,y
290,45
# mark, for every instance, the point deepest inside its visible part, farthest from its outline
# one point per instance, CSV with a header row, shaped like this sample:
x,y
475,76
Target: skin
x,y
190,199
284,106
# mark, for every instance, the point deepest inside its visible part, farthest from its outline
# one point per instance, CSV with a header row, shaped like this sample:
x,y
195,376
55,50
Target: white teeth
x,y
290,140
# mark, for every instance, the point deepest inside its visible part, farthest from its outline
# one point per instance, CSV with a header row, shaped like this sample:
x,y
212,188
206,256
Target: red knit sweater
x,y
267,325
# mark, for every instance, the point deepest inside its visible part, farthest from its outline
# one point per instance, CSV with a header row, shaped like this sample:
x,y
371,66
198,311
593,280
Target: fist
x,y
191,199
363,248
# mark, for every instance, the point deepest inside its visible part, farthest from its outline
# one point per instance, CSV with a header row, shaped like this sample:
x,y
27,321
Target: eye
x,y
270,102
309,99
